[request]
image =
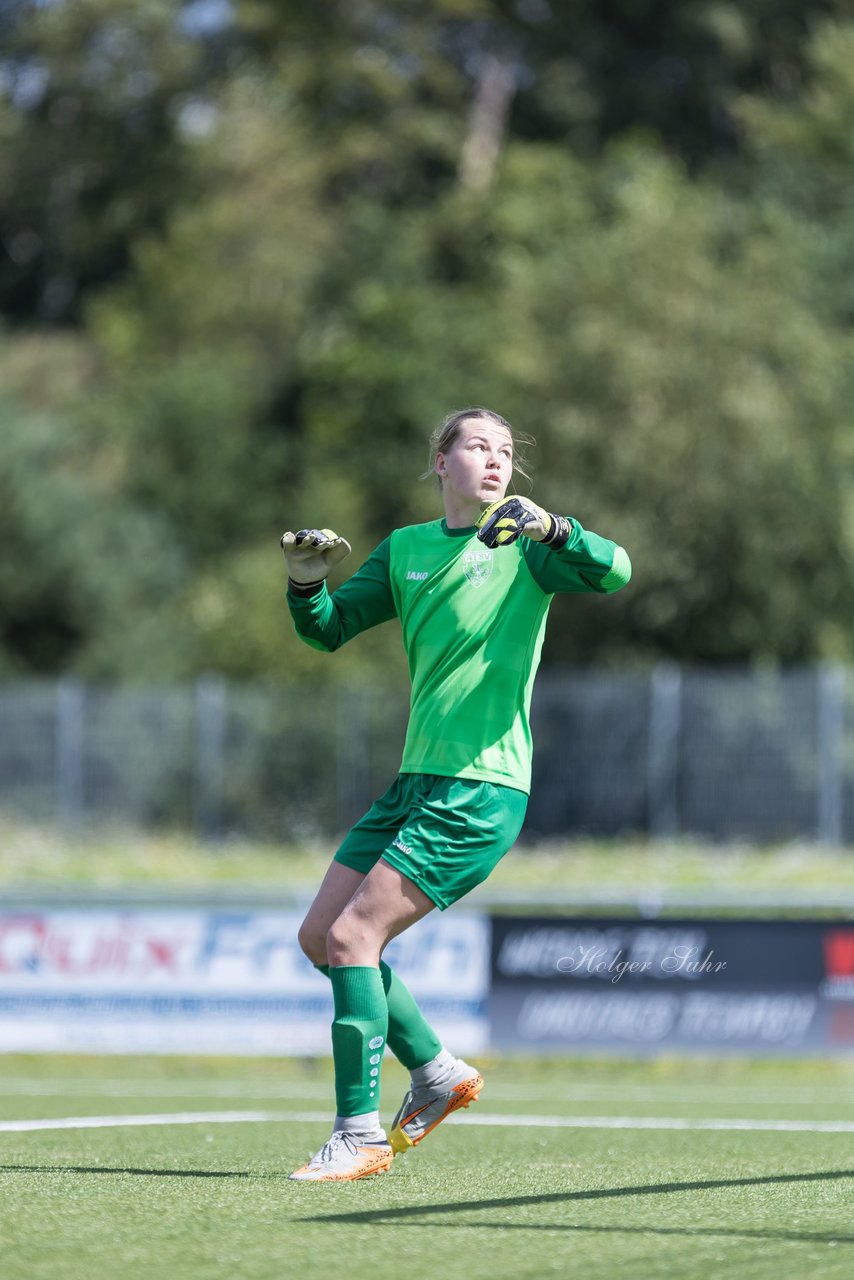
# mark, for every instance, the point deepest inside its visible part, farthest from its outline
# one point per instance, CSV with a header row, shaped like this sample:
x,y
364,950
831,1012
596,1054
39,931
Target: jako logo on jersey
x,y
415,576
477,565
398,844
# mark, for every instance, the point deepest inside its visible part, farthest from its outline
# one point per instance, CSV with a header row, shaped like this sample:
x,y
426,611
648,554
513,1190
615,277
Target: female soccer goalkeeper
x,y
472,592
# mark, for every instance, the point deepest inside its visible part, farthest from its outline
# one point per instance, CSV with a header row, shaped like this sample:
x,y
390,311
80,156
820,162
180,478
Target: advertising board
x,y
579,984
211,981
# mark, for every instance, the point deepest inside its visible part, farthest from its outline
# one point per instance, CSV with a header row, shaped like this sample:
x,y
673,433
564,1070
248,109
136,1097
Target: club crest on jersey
x,y
477,565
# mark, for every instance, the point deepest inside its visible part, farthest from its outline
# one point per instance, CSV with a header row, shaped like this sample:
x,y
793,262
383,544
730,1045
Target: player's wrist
x,y
558,531
304,588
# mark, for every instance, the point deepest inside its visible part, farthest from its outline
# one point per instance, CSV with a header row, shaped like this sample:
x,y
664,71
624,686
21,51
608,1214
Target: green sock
x,y
359,1031
410,1037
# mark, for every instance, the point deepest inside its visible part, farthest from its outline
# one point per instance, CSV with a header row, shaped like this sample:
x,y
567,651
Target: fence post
x,y
352,757
830,689
209,770
665,716
70,729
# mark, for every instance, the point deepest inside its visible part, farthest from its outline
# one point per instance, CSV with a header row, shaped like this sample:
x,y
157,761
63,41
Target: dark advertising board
x,y
718,986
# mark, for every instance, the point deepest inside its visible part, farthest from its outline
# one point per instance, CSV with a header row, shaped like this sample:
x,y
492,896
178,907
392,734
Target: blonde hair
x,y
448,431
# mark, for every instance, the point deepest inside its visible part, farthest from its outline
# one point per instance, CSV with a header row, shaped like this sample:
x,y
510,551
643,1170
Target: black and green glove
x,y
504,521
310,556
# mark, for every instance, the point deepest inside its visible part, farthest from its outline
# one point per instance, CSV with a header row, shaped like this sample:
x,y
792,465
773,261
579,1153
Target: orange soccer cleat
x,y
423,1109
342,1159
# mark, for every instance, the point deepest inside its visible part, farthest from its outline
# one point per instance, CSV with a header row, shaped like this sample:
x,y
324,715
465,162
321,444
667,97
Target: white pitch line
x,y
484,1118
179,1089
657,1122
174,1117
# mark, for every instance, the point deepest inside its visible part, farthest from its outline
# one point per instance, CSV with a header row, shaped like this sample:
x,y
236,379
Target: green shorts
x,y
443,834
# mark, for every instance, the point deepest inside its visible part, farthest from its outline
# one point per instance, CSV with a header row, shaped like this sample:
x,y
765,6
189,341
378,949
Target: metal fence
x,y
722,755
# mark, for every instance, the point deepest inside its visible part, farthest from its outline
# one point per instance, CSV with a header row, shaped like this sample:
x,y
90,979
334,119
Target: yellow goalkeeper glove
x,y
504,521
311,554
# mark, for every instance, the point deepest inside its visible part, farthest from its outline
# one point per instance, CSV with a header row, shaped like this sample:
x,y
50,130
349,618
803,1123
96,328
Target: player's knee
x,y
341,939
313,944
352,940
337,938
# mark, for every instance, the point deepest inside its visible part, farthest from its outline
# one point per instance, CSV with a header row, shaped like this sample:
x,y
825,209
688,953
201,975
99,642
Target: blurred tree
x,y
82,572
584,73
689,397
99,101
96,100
693,399
311,280
199,352
669,70
201,344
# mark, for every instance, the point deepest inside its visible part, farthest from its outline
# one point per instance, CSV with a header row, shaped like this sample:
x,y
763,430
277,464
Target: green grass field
x,y
576,1167
516,1195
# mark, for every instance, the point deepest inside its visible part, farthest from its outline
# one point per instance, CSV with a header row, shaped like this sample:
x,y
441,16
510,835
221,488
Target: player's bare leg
x,y
384,905
366,912
380,905
346,1156
337,888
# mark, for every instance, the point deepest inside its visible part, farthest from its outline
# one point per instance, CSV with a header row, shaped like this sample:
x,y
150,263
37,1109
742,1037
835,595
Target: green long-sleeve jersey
x,y
473,621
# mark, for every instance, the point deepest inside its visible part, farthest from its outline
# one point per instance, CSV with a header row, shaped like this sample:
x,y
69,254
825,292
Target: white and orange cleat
x,y
423,1109
342,1159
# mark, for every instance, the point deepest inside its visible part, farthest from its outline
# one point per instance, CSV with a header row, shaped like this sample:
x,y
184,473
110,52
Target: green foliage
x,y
92,153
274,284
669,70
81,573
694,397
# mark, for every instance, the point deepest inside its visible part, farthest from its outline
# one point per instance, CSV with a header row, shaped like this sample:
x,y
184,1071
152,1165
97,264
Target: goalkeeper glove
x,y
503,522
311,554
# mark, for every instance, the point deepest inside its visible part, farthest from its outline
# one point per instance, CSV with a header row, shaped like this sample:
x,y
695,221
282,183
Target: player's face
x,y
478,465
